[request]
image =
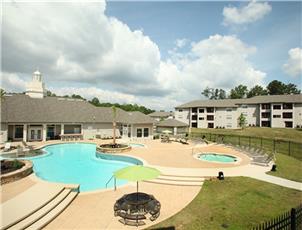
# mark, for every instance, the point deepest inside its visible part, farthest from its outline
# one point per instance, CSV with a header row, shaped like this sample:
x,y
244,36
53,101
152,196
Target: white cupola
x,y
36,88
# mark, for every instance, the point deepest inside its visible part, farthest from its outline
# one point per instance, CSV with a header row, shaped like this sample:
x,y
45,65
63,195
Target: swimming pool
x,y
214,157
136,145
79,163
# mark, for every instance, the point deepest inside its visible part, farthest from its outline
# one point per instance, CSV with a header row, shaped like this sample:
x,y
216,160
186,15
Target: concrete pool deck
x,y
94,210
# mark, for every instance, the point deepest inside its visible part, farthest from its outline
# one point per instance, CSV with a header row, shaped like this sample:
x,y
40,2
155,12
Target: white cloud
x,y
12,82
219,61
78,46
78,42
181,42
293,66
247,14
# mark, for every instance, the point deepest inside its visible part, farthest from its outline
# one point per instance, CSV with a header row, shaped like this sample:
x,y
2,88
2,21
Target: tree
x,y
76,96
239,92
50,94
2,93
276,87
95,101
242,120
214,94
257,90
114,123
291,89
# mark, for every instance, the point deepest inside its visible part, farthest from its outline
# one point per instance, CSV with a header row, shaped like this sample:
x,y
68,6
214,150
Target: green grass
x,y
288,168
271,133
235,203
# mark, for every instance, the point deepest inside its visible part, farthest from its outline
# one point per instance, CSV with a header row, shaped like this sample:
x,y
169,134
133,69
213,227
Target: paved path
x,y
253,171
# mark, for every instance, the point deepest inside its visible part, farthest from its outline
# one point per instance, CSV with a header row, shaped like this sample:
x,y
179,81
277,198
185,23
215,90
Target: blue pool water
x,y
79,163
217,158
135,145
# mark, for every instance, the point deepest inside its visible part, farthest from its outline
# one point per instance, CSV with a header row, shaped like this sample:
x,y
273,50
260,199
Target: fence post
x,y
289,148
293,219
210,137
274,144
261,142
249,142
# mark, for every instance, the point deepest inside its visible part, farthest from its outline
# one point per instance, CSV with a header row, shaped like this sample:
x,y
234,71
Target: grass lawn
x,y
235,203
288,168
271,133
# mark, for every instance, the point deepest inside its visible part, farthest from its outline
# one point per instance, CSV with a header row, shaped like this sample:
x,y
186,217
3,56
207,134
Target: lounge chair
x,y
7,147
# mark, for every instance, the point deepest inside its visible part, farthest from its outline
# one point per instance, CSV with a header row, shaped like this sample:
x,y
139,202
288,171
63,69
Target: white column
x,y
62,129
132,131
24,132
175,130
44,132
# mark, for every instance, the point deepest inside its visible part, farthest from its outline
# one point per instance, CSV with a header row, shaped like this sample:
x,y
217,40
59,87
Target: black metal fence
x,y
289,148
291,220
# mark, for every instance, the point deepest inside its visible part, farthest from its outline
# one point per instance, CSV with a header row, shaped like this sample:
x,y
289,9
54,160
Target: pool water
x,y
79,163
136,145
213,157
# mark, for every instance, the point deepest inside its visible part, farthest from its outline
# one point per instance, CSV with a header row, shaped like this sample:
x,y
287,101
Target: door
x,y
139,132
35,133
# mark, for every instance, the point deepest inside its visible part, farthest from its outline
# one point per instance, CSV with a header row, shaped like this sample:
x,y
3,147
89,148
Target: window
x,y
287,106
244,114
228,117
229,125
180,110
210,125
265,123
201,110
265,115
210,118
277,107
210,110
287,115
19,131
139,133
288,124
265,106
277,116
194,110
179,117
244,106
229,109
146,132
201,118
194,124
194,117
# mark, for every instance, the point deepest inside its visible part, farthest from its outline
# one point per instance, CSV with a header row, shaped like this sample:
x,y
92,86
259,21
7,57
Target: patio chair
x,y
7,147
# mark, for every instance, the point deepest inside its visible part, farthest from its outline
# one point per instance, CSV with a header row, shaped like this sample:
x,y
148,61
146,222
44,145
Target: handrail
x,y
110,180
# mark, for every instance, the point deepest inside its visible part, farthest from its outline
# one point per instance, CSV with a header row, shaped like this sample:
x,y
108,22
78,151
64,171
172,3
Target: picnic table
x,y
135,207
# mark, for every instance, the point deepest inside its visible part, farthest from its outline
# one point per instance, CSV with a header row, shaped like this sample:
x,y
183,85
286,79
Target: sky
x,y
156,54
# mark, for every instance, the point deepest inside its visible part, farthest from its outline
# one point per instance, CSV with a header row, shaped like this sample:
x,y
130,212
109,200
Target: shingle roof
x,y
296,98
22,108
160,114
135,117
171,123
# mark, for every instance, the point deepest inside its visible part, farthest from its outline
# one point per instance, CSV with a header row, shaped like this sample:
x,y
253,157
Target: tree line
x,y
95,101
275,87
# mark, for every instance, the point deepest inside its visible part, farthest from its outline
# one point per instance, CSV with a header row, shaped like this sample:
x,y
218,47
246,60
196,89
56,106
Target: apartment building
x,y
279,111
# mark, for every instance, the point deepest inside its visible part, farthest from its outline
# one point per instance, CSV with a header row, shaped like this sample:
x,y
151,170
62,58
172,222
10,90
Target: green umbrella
x,y
136,173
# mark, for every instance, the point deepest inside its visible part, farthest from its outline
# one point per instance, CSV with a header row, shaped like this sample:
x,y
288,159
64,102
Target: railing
x,y
291,220
289,148
110,180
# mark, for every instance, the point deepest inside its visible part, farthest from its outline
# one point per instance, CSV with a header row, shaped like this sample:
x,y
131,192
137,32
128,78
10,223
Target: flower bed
x,y
12,170
114,148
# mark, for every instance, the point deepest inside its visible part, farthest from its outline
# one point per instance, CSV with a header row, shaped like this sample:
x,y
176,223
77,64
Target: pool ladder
x,y
114,182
